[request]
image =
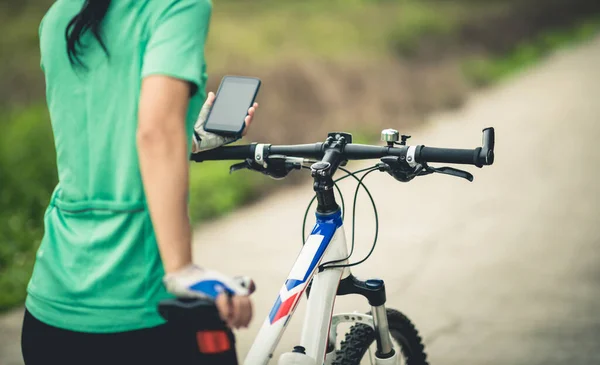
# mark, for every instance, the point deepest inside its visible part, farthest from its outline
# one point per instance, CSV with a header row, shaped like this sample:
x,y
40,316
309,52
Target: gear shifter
x,y
277,168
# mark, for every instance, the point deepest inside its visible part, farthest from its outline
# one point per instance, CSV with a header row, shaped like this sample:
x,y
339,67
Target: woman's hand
x,y
203,140
236,310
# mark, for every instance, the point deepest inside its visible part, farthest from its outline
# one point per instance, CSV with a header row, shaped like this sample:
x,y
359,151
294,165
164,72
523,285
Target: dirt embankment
x,y
301,102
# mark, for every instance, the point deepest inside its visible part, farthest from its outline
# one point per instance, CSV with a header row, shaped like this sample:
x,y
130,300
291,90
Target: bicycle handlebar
x,y
479,156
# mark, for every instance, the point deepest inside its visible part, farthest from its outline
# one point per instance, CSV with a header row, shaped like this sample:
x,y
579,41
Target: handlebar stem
x,y
323,171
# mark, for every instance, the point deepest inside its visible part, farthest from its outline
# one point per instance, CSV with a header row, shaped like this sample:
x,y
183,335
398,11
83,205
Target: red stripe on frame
x,y
285,307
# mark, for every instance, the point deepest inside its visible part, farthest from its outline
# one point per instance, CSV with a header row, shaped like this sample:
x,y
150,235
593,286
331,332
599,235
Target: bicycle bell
x,y
390,136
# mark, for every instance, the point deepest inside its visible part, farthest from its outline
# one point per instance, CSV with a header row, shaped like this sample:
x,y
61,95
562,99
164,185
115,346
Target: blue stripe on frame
x,y
292,283
275,309
326,226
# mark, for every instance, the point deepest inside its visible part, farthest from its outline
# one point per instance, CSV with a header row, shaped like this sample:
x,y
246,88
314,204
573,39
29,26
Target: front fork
x,y
374,291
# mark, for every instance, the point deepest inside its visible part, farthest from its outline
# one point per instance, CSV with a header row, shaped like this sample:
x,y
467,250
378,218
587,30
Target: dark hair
x,y
89,18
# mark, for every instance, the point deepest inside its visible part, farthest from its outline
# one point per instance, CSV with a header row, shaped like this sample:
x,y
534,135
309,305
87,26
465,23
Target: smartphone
x,y
236,94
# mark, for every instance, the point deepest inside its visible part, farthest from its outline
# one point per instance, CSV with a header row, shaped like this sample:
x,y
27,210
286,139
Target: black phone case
x,y
232,133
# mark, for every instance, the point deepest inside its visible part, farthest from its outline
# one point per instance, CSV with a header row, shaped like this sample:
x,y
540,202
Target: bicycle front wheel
x,y
358,347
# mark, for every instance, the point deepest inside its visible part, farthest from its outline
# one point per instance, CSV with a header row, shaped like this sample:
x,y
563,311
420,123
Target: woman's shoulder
x,y
160,10
165,4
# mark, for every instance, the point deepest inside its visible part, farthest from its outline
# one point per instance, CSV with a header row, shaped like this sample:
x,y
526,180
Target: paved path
x,y
504,270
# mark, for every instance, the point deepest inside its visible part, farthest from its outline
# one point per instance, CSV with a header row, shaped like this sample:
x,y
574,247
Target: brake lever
x,y
447,171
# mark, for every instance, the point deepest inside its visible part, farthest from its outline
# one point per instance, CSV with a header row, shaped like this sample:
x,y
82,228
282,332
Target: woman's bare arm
x,y
163,156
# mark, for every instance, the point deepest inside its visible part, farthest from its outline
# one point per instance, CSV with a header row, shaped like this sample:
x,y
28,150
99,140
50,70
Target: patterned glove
x,y
196,282
203,140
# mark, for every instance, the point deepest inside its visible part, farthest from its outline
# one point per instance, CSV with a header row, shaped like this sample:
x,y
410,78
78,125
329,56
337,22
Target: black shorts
x,y
165,344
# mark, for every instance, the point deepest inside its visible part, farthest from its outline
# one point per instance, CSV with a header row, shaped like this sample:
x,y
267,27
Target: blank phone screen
x,y
234,97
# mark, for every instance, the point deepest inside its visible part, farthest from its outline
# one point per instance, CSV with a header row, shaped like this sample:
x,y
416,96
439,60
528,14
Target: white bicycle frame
x,y
326,243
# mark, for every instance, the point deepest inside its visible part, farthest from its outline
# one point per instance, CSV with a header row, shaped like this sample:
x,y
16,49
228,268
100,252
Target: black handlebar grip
x,y
447,155
486,157
226,153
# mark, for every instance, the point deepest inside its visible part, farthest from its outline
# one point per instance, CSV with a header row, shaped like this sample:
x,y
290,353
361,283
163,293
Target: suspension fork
x,y
374,291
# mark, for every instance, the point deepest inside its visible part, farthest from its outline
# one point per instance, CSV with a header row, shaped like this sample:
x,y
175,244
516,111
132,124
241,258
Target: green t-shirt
x,y
98,268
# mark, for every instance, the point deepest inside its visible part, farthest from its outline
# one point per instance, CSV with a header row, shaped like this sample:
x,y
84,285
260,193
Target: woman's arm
x,y
163,156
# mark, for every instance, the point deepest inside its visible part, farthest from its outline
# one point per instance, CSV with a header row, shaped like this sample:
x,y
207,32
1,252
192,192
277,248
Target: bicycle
x,y
322,269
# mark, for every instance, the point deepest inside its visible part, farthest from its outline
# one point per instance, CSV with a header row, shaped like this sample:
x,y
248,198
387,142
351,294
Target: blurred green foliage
x,y
214,191
333,29
27,177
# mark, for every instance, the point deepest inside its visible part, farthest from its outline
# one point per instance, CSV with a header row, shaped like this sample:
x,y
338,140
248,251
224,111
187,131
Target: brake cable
x,y
359,185
349,173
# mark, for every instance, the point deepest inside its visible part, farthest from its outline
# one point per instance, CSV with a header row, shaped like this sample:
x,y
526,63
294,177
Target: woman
x,y
125,83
